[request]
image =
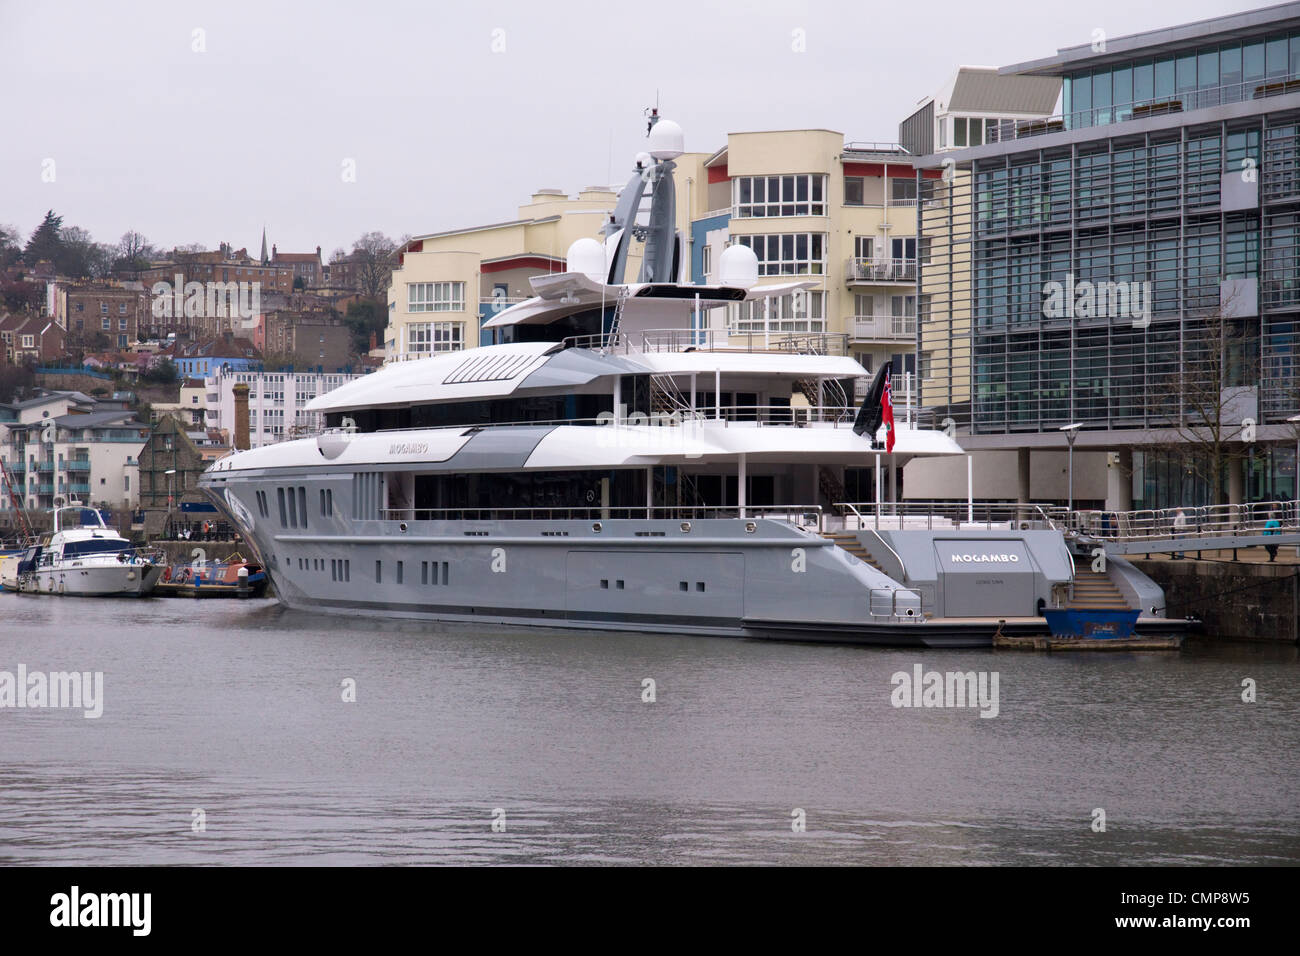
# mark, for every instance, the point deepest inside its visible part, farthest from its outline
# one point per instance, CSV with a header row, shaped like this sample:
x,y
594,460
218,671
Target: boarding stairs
x,y
851,544
1094,590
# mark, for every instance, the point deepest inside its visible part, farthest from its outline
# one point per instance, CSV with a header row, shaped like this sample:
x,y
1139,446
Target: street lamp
x,y
1071,433
169,472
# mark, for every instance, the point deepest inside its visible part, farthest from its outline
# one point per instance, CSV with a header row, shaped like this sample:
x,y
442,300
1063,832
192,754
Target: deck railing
x,y
809,517
1207,521
946,516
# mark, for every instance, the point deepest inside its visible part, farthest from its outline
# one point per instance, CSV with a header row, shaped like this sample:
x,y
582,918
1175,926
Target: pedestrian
x,y
1180,530
1272,526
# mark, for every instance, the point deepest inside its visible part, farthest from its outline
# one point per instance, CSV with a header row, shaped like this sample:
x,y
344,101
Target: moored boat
x,y
83,557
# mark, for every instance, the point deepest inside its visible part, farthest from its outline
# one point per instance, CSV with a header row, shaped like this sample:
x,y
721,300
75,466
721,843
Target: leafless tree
x,y
1213,401
375,256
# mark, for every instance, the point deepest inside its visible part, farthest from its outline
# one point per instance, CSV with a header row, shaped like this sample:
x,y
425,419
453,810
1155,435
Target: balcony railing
x,y
1008,130
889,327
716,340
78,464
897,271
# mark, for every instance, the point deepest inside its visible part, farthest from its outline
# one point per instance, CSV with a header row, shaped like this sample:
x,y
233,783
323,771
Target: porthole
x,y
595,526
402,527
750,527
686,526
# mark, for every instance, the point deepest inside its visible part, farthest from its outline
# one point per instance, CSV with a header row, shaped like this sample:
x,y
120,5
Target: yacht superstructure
x,y
615,463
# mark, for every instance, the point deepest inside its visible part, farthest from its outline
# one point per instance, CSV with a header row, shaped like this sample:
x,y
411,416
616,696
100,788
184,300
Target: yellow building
x,y
449,283
810,204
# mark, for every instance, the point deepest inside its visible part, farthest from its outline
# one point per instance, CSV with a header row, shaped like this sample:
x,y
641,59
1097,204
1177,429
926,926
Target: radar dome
x,y
644,159
588,257
738,266
666,140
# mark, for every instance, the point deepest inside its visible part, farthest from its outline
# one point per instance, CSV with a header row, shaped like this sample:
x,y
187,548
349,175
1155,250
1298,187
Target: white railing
x,y
715,340
897,271
1207,521
945,516
888,326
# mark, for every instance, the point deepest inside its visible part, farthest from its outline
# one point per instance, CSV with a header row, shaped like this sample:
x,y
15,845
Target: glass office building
x,y
1132,264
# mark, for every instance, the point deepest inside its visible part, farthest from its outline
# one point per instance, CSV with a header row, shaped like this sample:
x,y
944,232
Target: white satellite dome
x,y
666,140
738,266
587,256
644,159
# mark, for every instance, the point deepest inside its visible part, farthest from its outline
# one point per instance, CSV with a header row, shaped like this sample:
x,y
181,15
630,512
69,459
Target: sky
x,y
203,122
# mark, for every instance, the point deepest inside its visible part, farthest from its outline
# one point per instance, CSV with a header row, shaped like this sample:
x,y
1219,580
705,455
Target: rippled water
x,y
236,708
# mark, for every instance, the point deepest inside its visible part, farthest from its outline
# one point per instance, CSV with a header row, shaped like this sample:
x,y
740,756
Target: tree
x,y
376,258
46,242
19,296
362,319
11,245
82,257
1213,401
161,372
133,252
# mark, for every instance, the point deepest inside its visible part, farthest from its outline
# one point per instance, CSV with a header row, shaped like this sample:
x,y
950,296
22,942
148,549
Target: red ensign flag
x,y
887,410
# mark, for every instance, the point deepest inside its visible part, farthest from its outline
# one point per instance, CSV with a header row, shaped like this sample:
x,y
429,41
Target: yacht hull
x,y
136,580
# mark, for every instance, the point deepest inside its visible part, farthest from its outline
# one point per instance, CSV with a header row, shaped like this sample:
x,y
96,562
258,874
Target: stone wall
x,y
1237,601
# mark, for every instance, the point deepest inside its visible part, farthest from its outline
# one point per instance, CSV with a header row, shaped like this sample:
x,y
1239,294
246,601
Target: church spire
x,y
265,260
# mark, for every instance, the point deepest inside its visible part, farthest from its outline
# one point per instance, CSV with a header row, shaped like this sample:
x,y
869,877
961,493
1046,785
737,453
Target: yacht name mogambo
x,y
985,558
621,459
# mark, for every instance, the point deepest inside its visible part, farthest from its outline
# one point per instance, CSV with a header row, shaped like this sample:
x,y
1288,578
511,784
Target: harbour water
x,y
237,710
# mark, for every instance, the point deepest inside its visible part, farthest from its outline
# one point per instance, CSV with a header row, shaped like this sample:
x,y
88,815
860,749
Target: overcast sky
x,y
146,133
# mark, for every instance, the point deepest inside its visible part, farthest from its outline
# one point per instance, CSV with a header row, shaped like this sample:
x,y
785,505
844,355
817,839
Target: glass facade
x,y
1210,76
1129,281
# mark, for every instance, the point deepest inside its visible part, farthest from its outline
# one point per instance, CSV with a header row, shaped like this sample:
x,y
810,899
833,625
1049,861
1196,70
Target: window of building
x,y
854,190
803,311
121,309
706,260
435,297
959,131
902,191
864,306
864,247
121,341
29,341
106,325
788,254
121,325
103,308
759,196
424,337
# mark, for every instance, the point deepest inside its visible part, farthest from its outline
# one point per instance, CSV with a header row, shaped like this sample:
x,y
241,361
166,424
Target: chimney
x,y
241,417
318,252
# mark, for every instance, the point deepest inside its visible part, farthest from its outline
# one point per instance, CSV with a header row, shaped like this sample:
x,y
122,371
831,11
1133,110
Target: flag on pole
x,y
887,407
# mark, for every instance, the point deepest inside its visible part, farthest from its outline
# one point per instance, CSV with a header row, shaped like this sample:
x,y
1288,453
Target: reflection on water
x,y
236,708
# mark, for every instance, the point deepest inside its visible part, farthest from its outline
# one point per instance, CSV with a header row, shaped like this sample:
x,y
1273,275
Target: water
x,y
235,708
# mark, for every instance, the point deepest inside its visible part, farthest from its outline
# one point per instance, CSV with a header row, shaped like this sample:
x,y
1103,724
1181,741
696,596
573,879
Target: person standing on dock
x,y
1180,531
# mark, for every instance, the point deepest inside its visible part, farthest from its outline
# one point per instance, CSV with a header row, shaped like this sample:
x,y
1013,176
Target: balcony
x,y
80,487
884,271
78,464
884,328
45,466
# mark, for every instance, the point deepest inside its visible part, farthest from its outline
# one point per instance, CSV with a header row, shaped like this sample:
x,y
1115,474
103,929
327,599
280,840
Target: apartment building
x,y
101,315
1170,181
812,205
66,446
276,402
447,284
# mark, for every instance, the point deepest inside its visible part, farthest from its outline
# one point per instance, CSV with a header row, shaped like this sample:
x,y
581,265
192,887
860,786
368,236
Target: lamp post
x,y
169,472
1071,433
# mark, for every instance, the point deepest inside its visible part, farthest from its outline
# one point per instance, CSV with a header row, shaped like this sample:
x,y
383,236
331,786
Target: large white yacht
x,y
83,557
616,462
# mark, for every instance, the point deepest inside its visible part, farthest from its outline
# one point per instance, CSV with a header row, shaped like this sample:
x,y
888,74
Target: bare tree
x,y
1213,401
375,256
133,251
